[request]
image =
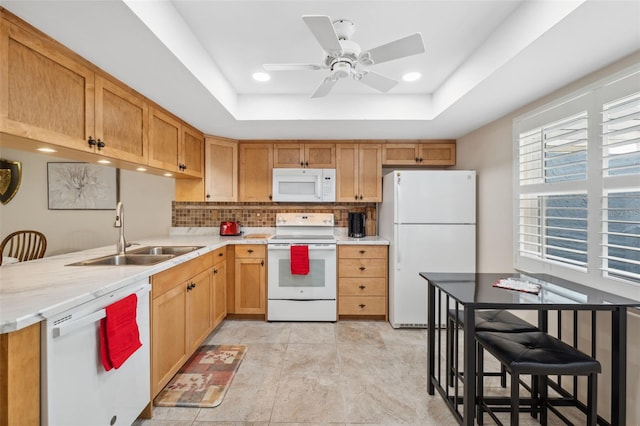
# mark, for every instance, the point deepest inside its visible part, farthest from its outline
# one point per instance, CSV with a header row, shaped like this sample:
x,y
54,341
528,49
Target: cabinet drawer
x,y
362,268
358,305
358,252
166,280
219,255
250,250
362,287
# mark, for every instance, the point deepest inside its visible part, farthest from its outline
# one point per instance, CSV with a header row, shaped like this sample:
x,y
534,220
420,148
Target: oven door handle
x,y
311,246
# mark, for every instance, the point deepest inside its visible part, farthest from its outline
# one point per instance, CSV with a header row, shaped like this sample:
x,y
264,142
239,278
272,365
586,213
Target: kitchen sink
x,y
125,259
158,250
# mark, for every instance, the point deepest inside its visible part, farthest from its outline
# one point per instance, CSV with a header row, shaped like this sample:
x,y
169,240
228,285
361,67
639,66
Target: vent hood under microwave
x,y
304,185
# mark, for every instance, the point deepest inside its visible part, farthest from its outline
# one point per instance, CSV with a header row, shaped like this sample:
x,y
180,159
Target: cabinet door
x,y
121,122
164,141
438,154
400,154
290,155
370,173
347,172
320,155
168,334
199,311
250,286
219,293
256,162
221,170
45,94
191,152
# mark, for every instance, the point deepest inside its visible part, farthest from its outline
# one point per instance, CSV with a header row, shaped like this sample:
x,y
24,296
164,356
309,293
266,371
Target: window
x,y
577,184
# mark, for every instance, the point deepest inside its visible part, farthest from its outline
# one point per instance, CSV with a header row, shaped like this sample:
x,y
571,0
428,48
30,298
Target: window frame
x,y
590,98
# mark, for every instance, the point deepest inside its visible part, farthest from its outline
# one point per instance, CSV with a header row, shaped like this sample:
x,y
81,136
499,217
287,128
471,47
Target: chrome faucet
x,y
119,223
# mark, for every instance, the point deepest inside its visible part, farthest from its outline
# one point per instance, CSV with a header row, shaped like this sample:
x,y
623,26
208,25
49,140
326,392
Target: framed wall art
x,y
81,186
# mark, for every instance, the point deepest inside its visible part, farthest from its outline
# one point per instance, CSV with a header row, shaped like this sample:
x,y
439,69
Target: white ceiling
x,y
483,59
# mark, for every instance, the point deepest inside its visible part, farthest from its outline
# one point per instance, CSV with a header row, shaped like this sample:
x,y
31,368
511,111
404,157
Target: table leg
x,y
431,336
619,366
469,391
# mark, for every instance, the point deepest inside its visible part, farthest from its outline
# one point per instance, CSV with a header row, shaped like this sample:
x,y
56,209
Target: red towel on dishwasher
x,y
119,335
299,260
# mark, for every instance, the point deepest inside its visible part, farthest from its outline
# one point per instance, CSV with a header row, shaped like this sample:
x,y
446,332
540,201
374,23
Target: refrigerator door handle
x,y
396,205
398,245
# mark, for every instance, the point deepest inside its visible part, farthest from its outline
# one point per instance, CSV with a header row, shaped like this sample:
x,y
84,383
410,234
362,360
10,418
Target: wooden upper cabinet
x,y
164,140
191,159
45,93
221,169
312,155
121,122
441,152
254,171
359,172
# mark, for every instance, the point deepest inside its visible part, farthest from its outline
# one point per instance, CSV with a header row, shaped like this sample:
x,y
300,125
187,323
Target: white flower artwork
x,y
81,186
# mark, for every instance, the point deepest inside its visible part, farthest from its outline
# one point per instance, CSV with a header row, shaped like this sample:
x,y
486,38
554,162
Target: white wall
x,y
147,200
488,150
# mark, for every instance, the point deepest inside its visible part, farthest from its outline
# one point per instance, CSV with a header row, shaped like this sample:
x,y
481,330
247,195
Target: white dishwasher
x,y
76,389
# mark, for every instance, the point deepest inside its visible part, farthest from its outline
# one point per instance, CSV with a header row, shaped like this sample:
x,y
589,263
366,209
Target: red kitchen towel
x,y
119,335
299,260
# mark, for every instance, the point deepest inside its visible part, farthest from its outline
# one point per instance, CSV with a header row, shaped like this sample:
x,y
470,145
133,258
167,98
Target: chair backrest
x,y
24,245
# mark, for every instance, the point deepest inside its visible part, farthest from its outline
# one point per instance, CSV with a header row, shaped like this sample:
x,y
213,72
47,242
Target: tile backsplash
x,y
208,214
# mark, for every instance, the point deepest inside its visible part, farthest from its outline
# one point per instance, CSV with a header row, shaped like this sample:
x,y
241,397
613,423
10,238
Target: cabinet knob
x,y
361,197
362,287
262,263
362,305
270,197
356,196
220,254
250,250
417,159
101,144
362,268
215,272
91,141
362,251
306,164
301,164
421,159
208,196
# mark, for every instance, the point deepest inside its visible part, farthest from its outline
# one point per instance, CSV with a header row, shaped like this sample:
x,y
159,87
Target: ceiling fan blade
x,y
324,88
406,46
377,81
322,28
291,67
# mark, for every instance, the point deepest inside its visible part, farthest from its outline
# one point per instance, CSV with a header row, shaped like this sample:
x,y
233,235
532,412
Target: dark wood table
x,y
466,293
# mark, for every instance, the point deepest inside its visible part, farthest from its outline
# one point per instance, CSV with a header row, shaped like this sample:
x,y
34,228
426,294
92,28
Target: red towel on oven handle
x,y
299,260
119,334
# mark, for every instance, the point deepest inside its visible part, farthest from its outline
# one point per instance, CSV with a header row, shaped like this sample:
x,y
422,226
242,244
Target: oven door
x,y
318,284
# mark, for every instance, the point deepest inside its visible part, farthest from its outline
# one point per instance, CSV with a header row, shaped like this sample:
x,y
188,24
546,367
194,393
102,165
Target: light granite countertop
x,y
33,291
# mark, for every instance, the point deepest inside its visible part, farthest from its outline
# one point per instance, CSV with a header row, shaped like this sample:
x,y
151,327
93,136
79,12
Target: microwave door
x,y
297,188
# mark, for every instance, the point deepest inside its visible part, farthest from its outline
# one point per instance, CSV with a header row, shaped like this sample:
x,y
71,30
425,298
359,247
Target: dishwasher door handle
x,y
72,326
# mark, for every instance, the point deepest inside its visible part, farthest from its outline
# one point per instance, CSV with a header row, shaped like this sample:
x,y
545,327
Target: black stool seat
x,y
537,353
496,320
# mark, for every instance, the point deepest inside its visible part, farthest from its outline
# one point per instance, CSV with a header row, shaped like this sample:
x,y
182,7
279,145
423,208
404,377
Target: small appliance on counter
x,y
229,228
357,225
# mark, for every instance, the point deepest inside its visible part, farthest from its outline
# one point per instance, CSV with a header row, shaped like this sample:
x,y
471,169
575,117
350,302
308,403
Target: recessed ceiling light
x,y
141,169
104,161
261,76
46,150
411,76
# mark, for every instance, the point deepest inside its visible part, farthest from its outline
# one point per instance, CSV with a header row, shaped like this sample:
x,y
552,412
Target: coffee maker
x,y
356,225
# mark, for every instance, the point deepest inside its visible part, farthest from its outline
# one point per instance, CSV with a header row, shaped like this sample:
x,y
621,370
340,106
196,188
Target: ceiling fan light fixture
x,y
412,76
261,76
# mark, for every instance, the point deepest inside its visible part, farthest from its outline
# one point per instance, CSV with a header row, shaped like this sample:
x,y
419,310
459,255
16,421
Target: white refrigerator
x,y
429,218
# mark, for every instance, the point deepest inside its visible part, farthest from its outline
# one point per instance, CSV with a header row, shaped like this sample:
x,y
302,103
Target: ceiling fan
x,y
344,58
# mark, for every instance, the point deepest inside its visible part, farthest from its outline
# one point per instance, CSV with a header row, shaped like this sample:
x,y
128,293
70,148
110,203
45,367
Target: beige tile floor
x,y
344,373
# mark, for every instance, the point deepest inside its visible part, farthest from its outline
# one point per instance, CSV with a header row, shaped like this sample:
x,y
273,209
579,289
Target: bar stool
x,y
540,355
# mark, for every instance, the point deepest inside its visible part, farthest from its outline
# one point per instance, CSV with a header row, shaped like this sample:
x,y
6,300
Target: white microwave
x,y
304,185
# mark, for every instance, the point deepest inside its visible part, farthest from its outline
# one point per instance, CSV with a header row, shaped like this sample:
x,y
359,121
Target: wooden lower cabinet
x,y
181,316
219,290
250,279
362,280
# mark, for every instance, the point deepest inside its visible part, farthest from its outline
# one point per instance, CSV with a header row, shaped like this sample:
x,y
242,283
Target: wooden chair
x,y
23,245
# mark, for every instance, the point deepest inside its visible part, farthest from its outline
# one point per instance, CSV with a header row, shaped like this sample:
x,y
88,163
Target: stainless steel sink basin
x,y
174,250
125,259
